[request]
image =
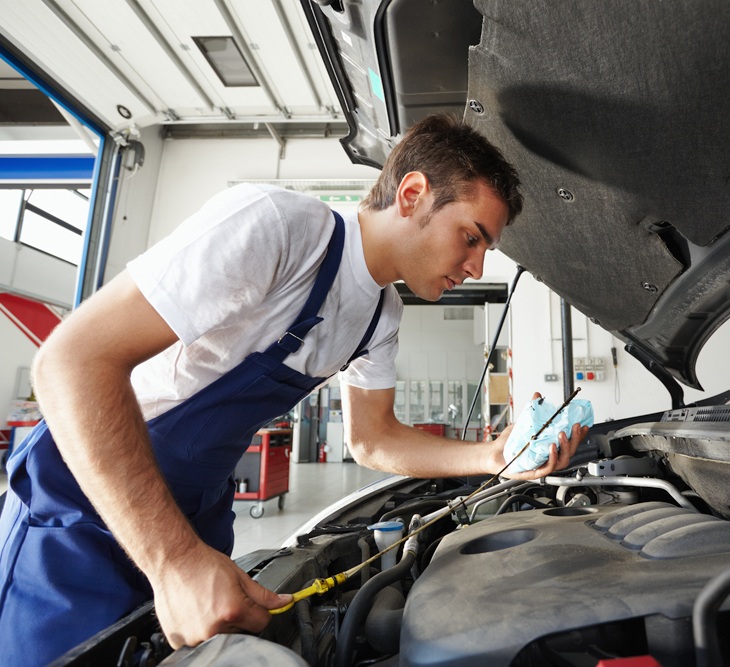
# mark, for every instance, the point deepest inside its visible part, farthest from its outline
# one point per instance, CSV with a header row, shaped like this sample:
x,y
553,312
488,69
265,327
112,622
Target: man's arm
x,y
82,381
378,440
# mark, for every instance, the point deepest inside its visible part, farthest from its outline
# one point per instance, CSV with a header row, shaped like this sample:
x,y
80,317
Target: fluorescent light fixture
x,y
227,61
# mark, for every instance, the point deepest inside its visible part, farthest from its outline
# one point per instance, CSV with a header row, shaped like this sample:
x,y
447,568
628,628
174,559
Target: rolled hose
x,y
302,609
361,605
704,620
383,624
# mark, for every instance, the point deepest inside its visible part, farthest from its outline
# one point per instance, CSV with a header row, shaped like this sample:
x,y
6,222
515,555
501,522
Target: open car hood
x,y
616,118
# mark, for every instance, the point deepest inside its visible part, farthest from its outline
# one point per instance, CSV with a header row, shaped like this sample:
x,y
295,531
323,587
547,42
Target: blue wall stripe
x,y
33,168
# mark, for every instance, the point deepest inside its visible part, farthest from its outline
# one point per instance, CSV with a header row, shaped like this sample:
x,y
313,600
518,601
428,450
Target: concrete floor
x,y
312,487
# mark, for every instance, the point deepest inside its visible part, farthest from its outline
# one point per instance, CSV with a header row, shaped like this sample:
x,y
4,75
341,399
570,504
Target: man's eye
x,y
471,240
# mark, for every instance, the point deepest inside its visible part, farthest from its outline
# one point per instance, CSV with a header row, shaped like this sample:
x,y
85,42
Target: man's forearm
x,y
378,440
409,451
96,422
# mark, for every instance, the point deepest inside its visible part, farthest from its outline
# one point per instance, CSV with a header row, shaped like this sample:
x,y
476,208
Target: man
x,y
152,389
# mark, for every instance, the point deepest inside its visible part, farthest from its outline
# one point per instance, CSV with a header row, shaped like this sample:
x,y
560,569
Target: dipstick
x,y
321,586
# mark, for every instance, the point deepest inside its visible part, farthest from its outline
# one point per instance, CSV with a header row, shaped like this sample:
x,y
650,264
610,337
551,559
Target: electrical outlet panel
x,y
589,369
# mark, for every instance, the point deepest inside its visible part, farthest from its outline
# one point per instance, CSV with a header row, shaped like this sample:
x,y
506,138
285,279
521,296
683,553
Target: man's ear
x,y
413,189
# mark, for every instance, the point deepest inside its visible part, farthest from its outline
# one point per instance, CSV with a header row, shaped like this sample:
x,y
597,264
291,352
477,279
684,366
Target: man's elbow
x,y
368,449
55,362
362,451
42,369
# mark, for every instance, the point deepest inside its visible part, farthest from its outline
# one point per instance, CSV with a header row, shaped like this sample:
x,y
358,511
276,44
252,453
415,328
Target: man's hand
x,y
557,459
205,593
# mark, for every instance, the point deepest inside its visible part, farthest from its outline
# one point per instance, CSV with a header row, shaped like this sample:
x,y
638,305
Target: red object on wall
x,y
36,320
637,661
322,458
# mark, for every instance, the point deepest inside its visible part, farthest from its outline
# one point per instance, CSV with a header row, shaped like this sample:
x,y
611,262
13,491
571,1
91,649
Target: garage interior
x,y
186,115
120,119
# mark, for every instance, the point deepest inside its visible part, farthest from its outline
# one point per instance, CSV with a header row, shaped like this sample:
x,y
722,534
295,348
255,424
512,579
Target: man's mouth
x,y
451,284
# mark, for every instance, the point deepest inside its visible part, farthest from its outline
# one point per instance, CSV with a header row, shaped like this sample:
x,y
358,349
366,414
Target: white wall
x,y
16,351
194,170
433,348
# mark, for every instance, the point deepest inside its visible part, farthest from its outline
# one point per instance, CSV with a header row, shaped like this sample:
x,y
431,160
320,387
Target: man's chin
x,y
426,292
431,296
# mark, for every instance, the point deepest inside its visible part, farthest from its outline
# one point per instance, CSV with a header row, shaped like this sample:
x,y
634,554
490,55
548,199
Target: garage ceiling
x,y
150,62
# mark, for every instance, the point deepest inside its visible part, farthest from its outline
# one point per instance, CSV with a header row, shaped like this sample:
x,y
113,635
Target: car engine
x,y
626,554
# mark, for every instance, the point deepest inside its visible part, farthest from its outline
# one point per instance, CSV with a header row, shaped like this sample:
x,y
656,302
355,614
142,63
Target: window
x,y
417,401
436,401
455,400
400,401
50,220
10,201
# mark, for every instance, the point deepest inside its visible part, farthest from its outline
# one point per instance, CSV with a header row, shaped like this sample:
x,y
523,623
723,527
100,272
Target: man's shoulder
x,y
283,199
265,209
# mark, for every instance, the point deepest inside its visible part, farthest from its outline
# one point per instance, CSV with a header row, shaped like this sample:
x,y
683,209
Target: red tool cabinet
x,y
264,469
436,429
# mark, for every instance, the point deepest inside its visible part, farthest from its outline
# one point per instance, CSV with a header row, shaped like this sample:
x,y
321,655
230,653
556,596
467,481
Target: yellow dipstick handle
x,y
319,587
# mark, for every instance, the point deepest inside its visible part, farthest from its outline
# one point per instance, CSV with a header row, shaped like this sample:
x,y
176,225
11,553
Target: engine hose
x,y
364,554
704,620
428,553
522,499
413,507
361,605
383,624
303,612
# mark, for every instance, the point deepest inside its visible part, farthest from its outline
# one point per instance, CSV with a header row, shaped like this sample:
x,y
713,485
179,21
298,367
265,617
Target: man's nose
x,y
474,265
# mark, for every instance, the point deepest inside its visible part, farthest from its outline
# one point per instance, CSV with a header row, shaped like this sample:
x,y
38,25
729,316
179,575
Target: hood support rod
x,y
660,373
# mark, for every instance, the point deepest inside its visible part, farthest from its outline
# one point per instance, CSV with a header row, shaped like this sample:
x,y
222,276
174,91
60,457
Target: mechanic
x,y
152,389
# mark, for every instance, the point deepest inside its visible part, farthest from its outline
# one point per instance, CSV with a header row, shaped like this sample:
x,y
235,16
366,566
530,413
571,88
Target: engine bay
x,y
611,558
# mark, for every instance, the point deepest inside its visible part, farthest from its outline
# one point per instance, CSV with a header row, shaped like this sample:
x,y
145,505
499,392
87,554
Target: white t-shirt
x,y
233,277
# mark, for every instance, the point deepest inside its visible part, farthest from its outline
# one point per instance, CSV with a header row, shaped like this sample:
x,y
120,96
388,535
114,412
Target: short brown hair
x,y
452,155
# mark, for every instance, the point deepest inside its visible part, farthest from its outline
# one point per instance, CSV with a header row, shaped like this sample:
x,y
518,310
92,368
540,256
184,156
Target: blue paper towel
x,y
531,420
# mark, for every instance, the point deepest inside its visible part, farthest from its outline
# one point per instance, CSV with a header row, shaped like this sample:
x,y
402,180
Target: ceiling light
x,y
227,61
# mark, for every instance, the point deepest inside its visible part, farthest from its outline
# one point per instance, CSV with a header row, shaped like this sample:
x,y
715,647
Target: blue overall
x,y
64,577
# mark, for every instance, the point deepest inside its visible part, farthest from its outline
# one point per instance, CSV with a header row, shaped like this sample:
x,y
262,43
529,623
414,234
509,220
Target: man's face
x,y
448,246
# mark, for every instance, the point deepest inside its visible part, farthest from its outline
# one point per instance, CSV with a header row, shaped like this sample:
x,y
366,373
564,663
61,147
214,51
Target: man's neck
x,y
380,230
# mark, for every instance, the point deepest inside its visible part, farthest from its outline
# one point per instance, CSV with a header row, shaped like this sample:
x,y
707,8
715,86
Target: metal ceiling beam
x,y
242,44
86,40
297,52
243,119
238,130
171,53
277,137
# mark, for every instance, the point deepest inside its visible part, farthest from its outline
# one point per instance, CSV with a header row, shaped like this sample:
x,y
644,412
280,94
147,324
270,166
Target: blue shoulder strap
x,y
292,340
360,351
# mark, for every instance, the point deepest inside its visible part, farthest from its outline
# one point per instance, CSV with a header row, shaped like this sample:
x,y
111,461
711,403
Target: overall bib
x,y
64,576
